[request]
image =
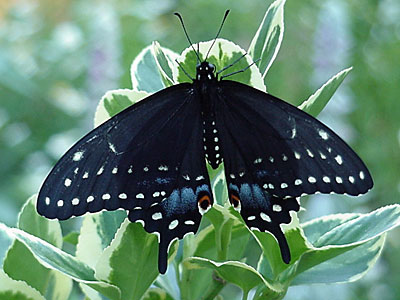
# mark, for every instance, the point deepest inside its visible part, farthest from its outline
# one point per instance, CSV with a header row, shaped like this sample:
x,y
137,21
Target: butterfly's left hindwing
x,y
148,159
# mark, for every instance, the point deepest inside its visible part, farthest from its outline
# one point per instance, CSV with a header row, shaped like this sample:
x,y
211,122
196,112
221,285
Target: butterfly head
x,y
205,71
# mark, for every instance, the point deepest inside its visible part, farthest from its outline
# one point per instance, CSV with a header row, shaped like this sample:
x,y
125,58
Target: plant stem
x,y
245,294
216,286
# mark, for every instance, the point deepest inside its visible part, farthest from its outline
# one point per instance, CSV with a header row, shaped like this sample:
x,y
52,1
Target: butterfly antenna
x,y
219,31
187,36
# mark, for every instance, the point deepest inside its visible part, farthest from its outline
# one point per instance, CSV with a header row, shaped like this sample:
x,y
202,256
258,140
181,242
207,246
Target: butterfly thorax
x,y
206,87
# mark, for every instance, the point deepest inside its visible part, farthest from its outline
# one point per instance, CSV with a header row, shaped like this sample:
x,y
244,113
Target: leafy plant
x,y
118,259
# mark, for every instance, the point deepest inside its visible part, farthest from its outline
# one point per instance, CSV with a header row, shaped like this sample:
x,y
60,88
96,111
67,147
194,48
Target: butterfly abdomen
x,y
211,141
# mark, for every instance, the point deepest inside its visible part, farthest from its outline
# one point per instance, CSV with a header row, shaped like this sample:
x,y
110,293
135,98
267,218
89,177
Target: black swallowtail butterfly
x,y
150,159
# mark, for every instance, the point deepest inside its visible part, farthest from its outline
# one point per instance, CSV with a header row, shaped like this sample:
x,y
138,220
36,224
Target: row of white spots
x,y
297,155
264,216
313,180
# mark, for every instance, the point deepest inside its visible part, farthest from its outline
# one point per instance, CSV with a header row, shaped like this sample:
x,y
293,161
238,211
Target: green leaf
x,y
72,238
156,294
56,259
114,102
17,290
97,232
317,101
222,54
148,68
29,269
165,62
343,264
268,38
220,188
131,252
240,274
145,75
348,243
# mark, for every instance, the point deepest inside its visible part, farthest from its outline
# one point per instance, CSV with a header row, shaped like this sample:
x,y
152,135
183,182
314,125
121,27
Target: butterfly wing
x,y
288,150
274,152
147,159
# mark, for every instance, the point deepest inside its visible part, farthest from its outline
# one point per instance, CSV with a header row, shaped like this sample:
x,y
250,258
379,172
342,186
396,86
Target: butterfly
x,y
150,159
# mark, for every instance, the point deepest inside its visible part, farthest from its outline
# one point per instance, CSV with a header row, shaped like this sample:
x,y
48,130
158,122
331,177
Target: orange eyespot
x,y
235,200
204,202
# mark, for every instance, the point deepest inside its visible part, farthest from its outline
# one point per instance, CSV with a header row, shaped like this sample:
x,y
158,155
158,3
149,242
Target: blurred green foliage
x,y
57,58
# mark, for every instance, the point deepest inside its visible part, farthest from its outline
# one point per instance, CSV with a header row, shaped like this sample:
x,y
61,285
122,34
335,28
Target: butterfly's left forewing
x,y
289,151
148,160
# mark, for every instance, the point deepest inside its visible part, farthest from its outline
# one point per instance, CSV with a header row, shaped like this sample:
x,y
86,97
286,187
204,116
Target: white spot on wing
x,y
310,154
258,160
115,170
277,208
67,182
265,217
85,175
112,147
297,155
173,224
89,199
60,203
312,179
156,194
251,218
140,196
351,179
298,182
339,179
362,176
123,196
326,179
47,201
284,157
75,201
130,170
293,133
78,156
322,155
339,159
323,134
100,171
106,197
163,168
201,177
284,185
189,222
156,216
